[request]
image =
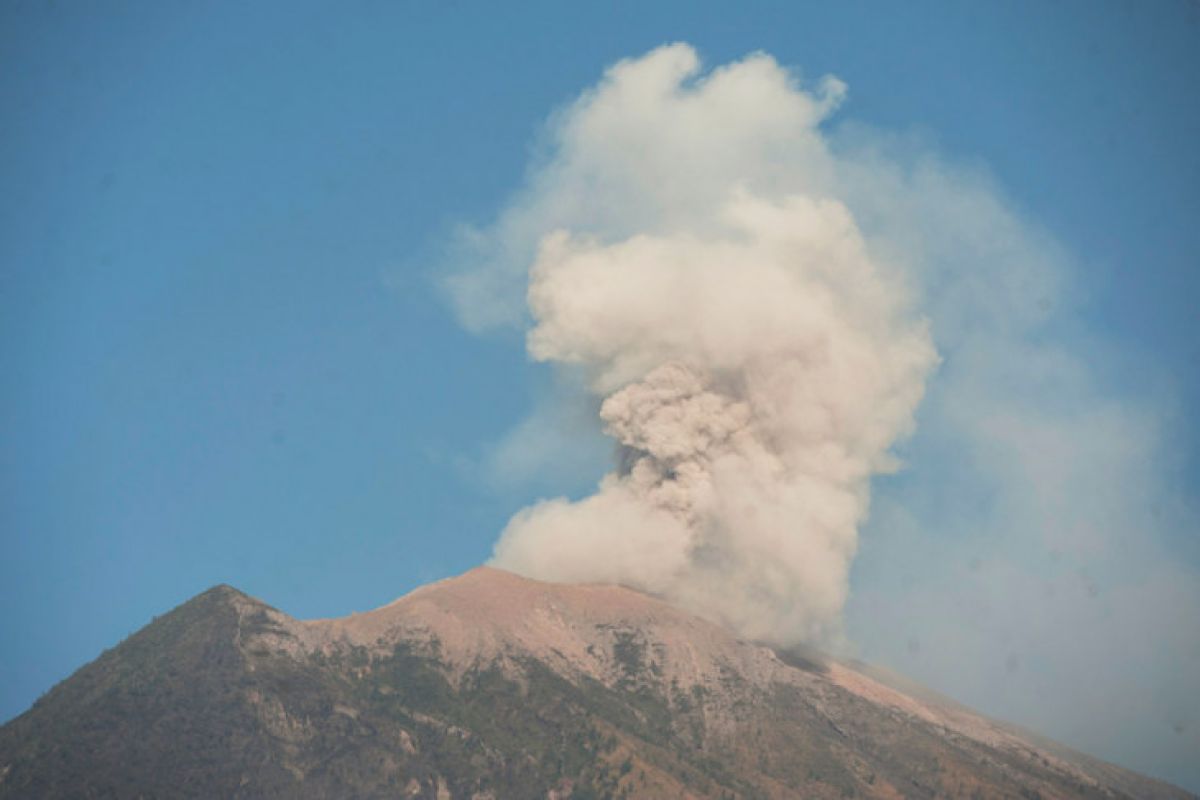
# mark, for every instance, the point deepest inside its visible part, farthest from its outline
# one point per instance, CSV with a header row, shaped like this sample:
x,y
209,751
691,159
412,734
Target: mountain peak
x,y
223,592
223,589
490,684
490,615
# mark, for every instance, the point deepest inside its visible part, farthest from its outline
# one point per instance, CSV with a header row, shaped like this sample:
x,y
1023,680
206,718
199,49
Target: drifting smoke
x,y
755,364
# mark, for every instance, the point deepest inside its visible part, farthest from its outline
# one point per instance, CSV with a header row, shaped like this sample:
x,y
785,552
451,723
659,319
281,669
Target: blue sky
x,y
227,356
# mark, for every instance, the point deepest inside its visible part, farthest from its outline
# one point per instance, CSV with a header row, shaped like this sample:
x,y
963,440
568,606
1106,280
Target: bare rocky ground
x,y
489,685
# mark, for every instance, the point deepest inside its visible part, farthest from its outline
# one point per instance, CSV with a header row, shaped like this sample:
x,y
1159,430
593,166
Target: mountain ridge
x,y
493,685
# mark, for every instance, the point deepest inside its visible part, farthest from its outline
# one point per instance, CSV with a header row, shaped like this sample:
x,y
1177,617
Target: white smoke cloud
x,y
744,295
649,150
755,362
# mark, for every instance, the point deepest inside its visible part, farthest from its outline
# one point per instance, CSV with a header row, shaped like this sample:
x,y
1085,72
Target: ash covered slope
x,y
492,685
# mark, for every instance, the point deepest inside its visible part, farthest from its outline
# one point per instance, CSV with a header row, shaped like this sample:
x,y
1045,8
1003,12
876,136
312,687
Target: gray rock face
x,y
494,686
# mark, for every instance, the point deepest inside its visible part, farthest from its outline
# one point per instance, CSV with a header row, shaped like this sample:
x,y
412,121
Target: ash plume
x,y
753,361
740,289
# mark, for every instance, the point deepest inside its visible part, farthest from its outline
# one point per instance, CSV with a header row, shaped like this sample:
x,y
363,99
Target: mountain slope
x,y
492,685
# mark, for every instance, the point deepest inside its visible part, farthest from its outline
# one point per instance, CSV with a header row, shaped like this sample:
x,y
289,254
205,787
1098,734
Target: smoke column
x,y
753,363
735,290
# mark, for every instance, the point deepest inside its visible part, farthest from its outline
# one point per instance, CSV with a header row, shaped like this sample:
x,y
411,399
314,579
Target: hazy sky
x,y
228,355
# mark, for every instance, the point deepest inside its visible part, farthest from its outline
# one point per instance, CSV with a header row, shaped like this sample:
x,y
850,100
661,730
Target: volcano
x,y
490,685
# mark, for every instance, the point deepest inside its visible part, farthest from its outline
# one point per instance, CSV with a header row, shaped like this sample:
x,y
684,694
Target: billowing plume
x,y
726,279
754,363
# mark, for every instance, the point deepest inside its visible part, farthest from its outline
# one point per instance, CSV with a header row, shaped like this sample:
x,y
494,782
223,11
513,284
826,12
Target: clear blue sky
x,y
225,356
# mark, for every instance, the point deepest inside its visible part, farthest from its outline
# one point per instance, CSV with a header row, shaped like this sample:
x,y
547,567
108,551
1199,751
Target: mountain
x,y
490,685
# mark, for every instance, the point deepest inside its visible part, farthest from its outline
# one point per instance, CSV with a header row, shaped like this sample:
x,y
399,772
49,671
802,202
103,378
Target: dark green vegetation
x,y
221,699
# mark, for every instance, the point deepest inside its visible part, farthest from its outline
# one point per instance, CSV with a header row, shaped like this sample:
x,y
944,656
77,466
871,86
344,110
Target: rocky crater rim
x,y
610,633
